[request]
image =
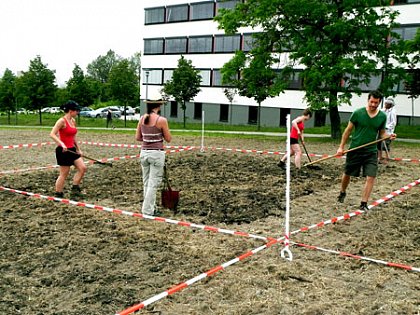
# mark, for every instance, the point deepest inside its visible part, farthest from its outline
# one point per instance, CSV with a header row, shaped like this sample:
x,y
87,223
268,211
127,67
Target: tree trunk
x,y
259,116
184,108
40,117
334,117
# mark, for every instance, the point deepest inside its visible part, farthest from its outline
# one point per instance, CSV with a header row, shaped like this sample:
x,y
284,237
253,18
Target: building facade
x,y
171,28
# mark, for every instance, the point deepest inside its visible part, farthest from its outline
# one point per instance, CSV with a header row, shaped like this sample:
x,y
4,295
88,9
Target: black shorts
x,y
361,160
65,158
294,141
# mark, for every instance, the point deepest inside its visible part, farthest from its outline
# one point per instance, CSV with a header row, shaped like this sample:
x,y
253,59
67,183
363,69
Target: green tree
x,y
7,93
37,86
123,82
339,43
252,76
412,83
184,85
99,71
78,88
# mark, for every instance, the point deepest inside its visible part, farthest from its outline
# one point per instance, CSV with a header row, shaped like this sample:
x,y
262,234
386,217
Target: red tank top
x,y
294,133
67,134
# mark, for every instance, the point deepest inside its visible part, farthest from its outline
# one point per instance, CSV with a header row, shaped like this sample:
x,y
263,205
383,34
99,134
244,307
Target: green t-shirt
x,y
366,128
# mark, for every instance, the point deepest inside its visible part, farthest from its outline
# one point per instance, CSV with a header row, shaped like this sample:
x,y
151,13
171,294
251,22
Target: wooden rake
x,y
92,159
347,151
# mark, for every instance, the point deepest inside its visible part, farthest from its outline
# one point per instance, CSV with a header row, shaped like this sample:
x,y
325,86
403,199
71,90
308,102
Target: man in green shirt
x,y
367,123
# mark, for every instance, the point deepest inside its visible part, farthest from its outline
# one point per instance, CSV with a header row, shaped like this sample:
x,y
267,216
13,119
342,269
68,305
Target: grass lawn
x,y
403,131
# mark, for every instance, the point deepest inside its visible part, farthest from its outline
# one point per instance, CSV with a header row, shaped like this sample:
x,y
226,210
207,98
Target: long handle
x,y
90,158
347,151
166,178
306,151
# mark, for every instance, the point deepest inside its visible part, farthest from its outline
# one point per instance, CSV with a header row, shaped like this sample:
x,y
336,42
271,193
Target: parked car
x,y
22,111
51,110
129,110
85,111
102,112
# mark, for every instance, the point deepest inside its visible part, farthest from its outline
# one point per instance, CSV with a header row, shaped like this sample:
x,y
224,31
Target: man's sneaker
x,y
363,206
341,197
59,194
76,192
282,165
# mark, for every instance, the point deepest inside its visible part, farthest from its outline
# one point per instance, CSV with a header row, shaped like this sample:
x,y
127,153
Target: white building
x,y
171,28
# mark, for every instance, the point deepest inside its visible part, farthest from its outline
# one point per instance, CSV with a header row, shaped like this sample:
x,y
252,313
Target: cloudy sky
x,y
66,32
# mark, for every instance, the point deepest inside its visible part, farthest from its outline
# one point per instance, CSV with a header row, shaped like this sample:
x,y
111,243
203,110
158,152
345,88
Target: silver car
x,y
103,112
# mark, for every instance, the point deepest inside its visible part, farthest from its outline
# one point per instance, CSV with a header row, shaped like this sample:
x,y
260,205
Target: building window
x,y
167,75
252,115
227,43
205,77
226,4
155,76
177,13
200,44
154,15
375,81
176,45
174,109
295,81
153,46
217,78
407,32
320,117
248,42
198,110
283,116
224,113
202,11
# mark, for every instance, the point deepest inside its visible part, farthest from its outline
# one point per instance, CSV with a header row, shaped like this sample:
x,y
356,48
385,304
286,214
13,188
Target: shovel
x,y
92,159
170,198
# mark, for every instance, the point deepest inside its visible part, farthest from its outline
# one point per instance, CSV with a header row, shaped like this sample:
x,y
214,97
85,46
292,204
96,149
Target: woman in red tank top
x,y
296,132
68,152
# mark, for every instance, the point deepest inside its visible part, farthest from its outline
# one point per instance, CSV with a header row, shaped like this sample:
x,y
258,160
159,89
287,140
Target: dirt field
x,y
62,259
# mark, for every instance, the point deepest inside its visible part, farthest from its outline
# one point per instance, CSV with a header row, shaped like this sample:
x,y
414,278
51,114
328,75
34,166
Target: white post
x,y
202,131
286,249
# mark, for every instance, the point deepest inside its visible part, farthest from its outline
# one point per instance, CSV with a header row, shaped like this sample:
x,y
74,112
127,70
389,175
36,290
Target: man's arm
x,y
344,138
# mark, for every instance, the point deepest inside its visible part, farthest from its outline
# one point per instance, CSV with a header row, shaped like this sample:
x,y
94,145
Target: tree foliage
x,y
37,86
185,83
124,85
7,92
339,44
78,88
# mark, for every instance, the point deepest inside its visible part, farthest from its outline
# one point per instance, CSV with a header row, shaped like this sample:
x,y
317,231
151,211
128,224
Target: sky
x,y
66,32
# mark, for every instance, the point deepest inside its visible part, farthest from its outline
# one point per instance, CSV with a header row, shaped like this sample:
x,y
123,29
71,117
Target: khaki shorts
x,y
361,160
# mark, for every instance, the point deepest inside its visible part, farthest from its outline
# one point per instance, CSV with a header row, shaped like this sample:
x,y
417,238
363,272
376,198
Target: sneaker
x,y
76,192
363,206
282,165
59,194
341,197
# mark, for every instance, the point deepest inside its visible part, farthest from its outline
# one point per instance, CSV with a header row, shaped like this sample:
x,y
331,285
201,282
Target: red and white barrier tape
x,y
134,214
136,156
344,254
270,242
29,145
229,149
200,277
